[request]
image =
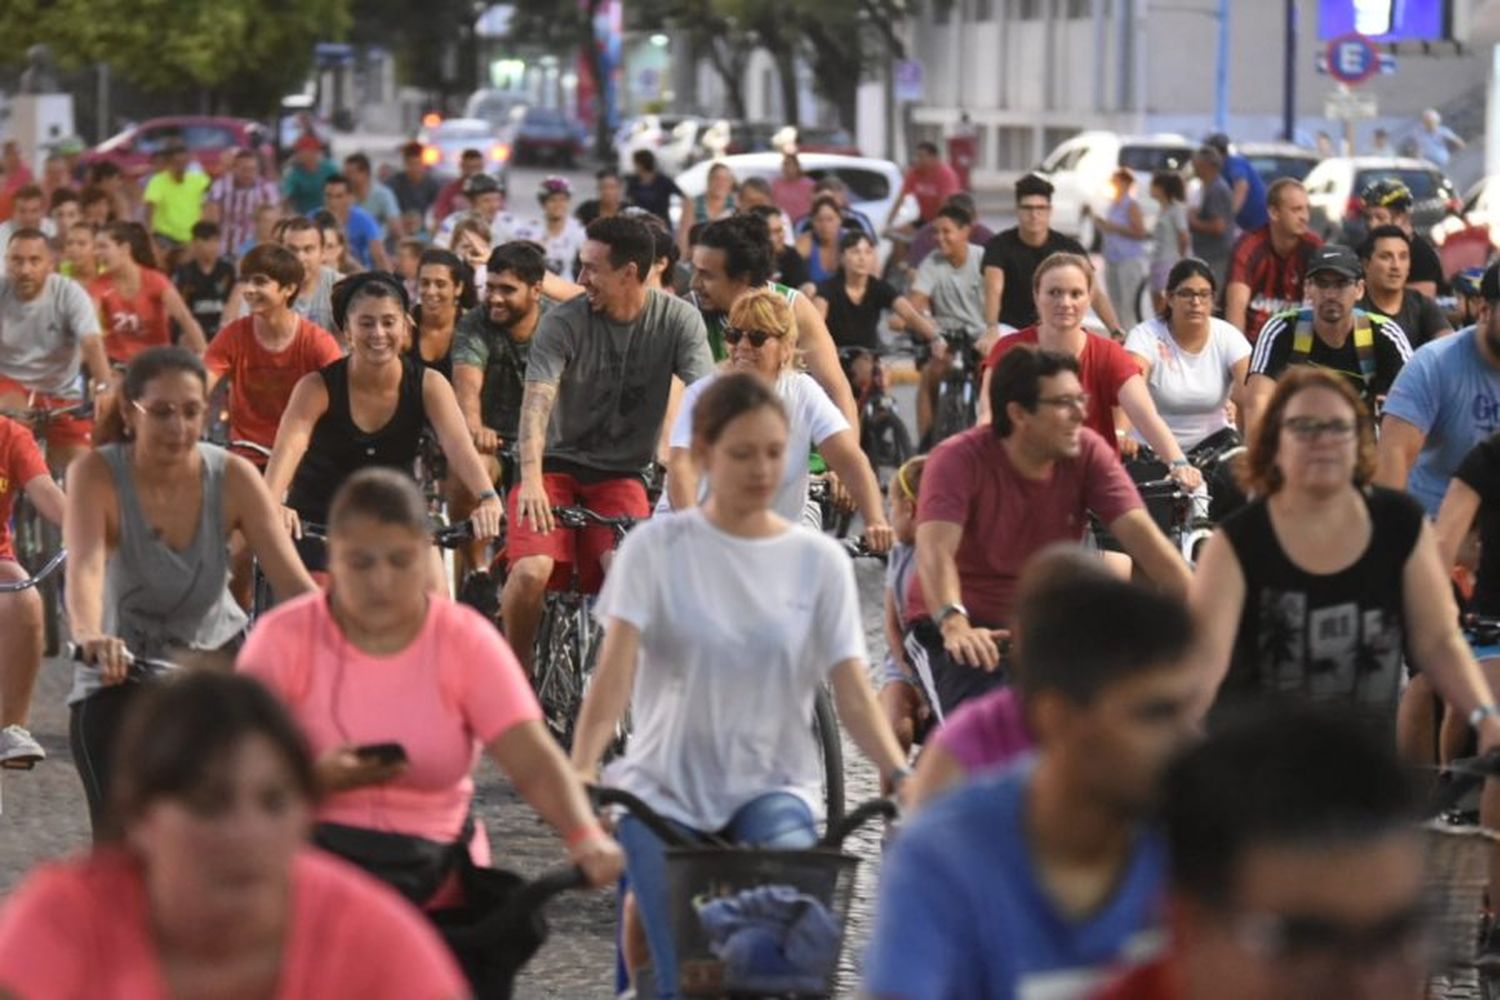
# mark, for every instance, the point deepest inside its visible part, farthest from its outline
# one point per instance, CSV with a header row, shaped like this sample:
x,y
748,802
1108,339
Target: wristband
x,y
1481,713
488,495
1180,463
583,834
897,776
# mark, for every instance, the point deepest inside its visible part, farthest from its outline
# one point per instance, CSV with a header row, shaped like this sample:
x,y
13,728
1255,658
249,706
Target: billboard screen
x,y
1384,20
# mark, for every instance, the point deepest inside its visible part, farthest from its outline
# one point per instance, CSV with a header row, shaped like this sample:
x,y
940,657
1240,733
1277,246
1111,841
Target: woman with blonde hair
x,y
762,339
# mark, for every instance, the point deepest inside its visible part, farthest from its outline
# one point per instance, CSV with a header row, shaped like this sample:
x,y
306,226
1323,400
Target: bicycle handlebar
x,y
673,837
140,667
857,549
582,517
42,414
551,883
50,567
449,536
243,445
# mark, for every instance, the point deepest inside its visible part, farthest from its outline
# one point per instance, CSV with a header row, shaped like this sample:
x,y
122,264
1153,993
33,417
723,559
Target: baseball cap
x,y
1489,285
307,141
1338,259
478,184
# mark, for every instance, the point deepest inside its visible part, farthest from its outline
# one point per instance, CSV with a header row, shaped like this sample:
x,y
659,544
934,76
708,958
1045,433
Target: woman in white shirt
x,y
762,339
1192,363
721,623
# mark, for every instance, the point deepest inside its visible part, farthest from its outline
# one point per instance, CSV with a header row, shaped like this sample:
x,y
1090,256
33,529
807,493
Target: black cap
x,y
478,184
1338,259
1489,285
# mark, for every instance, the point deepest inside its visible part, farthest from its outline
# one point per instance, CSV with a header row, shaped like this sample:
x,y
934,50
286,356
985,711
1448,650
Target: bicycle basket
x,y
1457,877
758,921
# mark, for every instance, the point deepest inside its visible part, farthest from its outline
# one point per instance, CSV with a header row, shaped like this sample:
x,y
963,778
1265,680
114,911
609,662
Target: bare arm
x,y
447,420
984,416
95,361
309,402
937,567
1240,192
822,357
378,256
468,383
606,699
532,503
937,771
1236,304
994,288
234,306
1258,391
1454,519
1135,400
1216,598
1145,544
1435,642
682,479
861,716
47,498
1400,444
192,333
85,535
251,510
558,288
674,404
1237,373
842,453
895,641
915,320
1104,308
822,305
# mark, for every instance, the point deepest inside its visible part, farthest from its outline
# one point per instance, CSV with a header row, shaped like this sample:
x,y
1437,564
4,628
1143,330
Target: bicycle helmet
x,y
1466,283
551,186
1388,192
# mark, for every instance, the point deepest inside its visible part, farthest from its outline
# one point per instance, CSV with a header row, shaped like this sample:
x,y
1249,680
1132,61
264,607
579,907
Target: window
x,y
1078,8
1026,10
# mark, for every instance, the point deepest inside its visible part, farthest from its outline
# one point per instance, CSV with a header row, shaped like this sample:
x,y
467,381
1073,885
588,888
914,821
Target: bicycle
x,y
883,435
37,579
1459,855
957,405
712,883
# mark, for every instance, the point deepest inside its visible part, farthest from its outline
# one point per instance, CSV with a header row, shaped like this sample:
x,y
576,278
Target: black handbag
x,y
414,866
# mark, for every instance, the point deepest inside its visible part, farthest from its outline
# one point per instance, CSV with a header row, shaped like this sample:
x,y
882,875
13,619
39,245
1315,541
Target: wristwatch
x,y
897,776
949,610
1481,713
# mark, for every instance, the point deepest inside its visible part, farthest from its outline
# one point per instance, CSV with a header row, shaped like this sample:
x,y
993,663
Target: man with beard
x,y
1445,401
1366,348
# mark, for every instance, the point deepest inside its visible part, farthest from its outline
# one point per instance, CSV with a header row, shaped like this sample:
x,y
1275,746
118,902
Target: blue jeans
x,y
776,819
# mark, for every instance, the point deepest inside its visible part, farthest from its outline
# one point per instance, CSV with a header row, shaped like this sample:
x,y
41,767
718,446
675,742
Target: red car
x,y
208,138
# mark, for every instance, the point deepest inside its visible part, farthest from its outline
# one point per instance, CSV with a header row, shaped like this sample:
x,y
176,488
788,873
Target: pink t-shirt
x,y
444,697
82,929
986,732
1008,518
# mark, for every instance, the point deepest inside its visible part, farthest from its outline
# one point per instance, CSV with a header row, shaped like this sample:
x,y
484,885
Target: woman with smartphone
x,y
398,690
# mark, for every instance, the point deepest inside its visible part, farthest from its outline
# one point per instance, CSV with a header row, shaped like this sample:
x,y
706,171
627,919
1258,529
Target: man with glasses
x,y
1269,265
994,496
1296,867
1011,257
1366,348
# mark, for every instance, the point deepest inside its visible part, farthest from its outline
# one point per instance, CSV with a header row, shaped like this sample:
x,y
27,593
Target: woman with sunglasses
x,y
1316,589
1193,362
149,514
762,340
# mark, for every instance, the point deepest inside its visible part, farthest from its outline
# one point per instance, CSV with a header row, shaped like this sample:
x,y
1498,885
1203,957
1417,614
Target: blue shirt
x,y
361,231
961,915
1450,393
1253,213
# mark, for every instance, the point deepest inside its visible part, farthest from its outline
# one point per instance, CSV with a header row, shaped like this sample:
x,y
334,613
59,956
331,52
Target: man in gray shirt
x,y
1212,223
600,369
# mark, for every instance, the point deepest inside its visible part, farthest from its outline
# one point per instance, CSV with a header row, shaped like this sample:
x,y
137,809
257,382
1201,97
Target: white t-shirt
x,y
40,340
811,417
737,634
561,250
1189,389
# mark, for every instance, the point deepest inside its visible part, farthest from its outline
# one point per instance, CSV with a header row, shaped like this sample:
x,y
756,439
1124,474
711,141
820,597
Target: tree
x,y
569,27
846,41
423,37
245,53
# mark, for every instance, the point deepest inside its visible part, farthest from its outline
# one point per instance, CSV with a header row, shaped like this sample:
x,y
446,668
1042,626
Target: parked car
x,y
873,183
1275,160
672,138
207,137
494,106
445,142
1334,187
1080,170
545,134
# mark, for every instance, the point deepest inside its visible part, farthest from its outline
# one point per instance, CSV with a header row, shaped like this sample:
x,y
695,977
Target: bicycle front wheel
x,y
831,749
559,674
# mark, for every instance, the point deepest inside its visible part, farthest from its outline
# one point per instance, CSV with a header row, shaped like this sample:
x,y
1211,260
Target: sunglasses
x,y
733,335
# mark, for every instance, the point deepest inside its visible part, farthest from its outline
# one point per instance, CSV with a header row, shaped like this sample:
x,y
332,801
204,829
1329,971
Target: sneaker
x,y
18,749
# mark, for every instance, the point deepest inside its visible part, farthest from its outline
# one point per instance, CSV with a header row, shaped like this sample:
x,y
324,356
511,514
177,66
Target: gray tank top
x,y
158,598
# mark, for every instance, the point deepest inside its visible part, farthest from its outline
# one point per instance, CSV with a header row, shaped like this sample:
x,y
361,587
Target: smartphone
x,y
382,753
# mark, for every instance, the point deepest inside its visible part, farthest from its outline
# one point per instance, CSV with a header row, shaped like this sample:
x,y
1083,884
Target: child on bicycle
x,y
900,688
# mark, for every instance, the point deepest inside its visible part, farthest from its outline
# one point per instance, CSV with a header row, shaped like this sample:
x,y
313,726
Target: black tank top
x,y
1325,638
339,446
443,365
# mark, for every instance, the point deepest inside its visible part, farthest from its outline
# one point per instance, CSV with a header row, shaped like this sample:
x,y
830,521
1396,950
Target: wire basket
x,y
1458,859
758,921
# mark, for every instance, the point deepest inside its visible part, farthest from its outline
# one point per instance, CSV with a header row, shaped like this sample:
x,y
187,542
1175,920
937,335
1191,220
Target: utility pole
x,y
1289,76
1221,72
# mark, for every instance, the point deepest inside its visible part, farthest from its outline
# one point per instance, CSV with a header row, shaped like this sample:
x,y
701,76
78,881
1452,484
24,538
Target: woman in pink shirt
x,y
793,190
381,659
206,886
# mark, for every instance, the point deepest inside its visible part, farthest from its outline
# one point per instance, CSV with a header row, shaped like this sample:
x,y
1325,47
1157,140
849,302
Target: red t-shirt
x,y
1007,518
81,930
931,186
1275,282
1103,368
20,462
132,324
261,380
1157,980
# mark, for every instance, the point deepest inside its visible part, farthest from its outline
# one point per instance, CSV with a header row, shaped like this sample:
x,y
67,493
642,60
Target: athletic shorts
x,y
62,432
623,497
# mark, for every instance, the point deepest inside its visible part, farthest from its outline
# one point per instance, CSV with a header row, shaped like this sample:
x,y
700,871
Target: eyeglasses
x,y
1310,429
1079,402
1193,295
733,335
166,411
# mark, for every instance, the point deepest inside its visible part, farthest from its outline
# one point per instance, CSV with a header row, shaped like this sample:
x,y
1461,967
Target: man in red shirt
x,y
1296,868
992,497
1268,265
930,181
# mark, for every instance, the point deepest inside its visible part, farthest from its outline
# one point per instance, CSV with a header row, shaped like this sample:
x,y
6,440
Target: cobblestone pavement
x,y
42,815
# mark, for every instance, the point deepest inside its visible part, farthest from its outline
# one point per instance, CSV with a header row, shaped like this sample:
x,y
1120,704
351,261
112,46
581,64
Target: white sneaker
x,y
18,749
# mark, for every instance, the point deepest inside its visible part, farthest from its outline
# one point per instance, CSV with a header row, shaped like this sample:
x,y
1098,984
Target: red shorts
x,y
62,432
624,497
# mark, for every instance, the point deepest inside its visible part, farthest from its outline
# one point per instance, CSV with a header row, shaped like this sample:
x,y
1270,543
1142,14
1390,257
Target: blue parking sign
x,y
1352,59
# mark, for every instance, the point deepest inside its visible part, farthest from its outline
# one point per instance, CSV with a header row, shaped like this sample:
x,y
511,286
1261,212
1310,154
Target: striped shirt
x,y
237,207
1274,352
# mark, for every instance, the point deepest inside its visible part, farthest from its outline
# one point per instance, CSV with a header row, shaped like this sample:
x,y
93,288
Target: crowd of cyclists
x,y
1129,767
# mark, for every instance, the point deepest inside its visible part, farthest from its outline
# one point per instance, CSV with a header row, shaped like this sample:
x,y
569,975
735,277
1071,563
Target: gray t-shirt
x,y
1218,203
318,306
40,340
614,378
957,293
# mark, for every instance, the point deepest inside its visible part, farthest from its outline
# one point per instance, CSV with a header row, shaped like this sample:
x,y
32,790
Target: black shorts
x,y
953,683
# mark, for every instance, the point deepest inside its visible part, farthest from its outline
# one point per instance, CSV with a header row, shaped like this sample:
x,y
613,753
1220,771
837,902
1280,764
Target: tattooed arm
x,y
532,503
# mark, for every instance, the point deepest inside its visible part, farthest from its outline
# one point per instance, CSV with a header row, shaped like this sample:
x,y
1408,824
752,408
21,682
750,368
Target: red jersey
x,y
1157,980
132,324
20,462
1103,368
931,186
261,380
1275,282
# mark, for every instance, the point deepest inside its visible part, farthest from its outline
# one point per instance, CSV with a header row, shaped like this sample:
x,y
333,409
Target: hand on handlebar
x,y
108,653
486,441
939,347
487,518
1129,446
973,647
291,521
600,858
534,506
1187,476
879,537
